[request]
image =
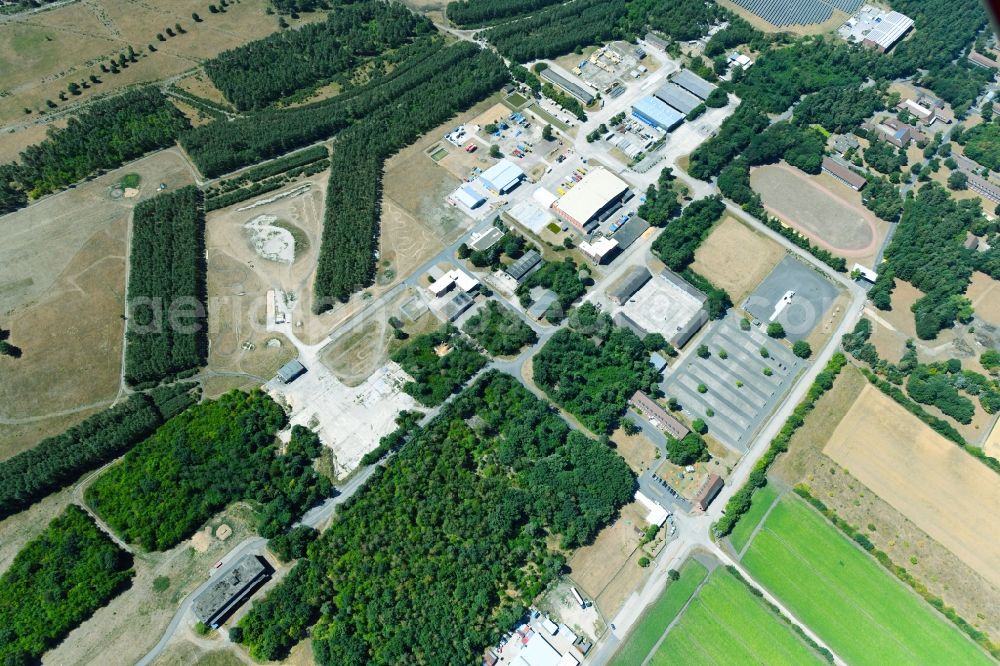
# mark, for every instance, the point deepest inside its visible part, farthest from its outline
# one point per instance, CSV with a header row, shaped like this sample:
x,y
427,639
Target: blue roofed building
x,y
657,113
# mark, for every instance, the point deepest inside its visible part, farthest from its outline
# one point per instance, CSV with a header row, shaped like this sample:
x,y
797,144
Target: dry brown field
x,y
944,574
606,570
637,450
736,258
186,653
991,446
62,296
946,492
40,54
984,292
199,85
825,210
356,355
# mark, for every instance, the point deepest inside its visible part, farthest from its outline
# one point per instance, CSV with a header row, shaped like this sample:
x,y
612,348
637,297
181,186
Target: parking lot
x,y
813,296
738,392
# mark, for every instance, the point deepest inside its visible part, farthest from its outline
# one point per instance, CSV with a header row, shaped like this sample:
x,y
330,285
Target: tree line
x,y
256,74
677,243
166,333
197,463
62,459
55,583
446,546
104,136
475,13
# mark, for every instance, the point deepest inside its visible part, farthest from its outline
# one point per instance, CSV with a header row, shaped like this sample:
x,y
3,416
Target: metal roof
x,y
502,176
677,97
629,284
693,83
591,195
290,371
229,590
522,266
630,231
468,197
892,26
656,112
573,89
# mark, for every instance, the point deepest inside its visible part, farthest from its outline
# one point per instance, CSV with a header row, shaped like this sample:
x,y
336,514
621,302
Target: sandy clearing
x,y
984,292
943,490
736,258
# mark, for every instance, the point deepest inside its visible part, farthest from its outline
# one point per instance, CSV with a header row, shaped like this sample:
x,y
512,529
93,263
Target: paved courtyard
x,y
814,295
739,410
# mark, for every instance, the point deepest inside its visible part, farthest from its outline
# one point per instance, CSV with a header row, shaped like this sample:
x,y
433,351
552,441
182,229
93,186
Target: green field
x,y
643,637
862,613
727,624
763,498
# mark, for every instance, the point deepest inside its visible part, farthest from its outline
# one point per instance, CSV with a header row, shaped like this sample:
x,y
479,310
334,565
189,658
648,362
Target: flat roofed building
x,y
629,232
708,492
599,249
502,177
657,113
527,263
693,83
453,278
666,422
574,89
468,197
485,239
290,371
669,305
220,599
980,185
628,284
843,173
889,30
678,98
867,273
544,197
452,308
596,193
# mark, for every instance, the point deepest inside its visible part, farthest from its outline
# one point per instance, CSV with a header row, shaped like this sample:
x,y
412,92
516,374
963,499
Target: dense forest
x,y
840,108
254,75
594,381
452,534
562,277
59,460
167,332
982,144
213,454
353,198
557,30
107,134
677,243
437,376
499,330
475,13
55,583
927,251
735,134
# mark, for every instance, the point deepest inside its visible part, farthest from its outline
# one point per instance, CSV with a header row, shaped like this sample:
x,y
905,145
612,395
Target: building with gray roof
x,y
629,283
527,263
629,232
291,371
677,97
573,89
693,83
228,593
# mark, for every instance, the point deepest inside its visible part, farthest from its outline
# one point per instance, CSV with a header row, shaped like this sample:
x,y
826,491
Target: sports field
x,y
727,624
860,611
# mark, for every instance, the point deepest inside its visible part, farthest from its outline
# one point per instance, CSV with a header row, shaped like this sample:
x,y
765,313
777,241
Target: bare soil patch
x,y
984,292
637,450
356,355
736,258
821,208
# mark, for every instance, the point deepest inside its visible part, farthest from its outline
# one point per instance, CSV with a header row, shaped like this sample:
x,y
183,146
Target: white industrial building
x,y
468,197
599,250
596,196
888,31
502,177
453,278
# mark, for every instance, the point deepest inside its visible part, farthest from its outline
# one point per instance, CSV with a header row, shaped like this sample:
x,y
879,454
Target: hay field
x,y
946,492
62,296
858,608
736,258
984,292
726,624
827,212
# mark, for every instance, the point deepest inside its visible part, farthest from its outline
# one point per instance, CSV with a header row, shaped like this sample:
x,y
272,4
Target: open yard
x,y
984,292
726,624
837,18
922,475
637,450
62,296
858,608
828,212
736,258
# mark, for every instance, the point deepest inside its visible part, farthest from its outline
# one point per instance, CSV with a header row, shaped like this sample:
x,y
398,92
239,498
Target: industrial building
x,y
678,98
843,173
599,250
502,177
713,485
468,197
693,83
889,30
660,417
521,268
657,113
453,278
291,371
450,308
574,89
542,301
629,232
219,600
668,305
628,284
593,200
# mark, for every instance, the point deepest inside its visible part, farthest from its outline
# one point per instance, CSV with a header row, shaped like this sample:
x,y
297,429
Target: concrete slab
x,y
813,296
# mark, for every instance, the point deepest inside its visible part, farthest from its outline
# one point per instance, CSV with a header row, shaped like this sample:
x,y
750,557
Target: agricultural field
x,y
922,475
726,624
761,503
736,258
846,591
828,212
63,281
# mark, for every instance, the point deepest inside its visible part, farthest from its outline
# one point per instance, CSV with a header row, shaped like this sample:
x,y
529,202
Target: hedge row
x,y
739,503
264,186
979,637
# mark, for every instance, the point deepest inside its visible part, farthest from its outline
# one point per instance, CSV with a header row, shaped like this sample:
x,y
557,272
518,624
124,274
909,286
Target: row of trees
x,y
447,546
676,244
211,455
254,75
474,13
104,136
55,583
60,460
166,332
594,381
499,330
436,376
353,200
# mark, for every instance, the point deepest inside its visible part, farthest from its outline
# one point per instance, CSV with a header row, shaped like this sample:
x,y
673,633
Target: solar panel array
x,y
781,13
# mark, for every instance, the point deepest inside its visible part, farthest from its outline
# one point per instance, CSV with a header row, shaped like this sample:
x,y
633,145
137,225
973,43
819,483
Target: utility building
x,y
678,98
502,177
228,593
574,89
525,265
593,200
657,113
630,283
291,371
693,83
889,30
